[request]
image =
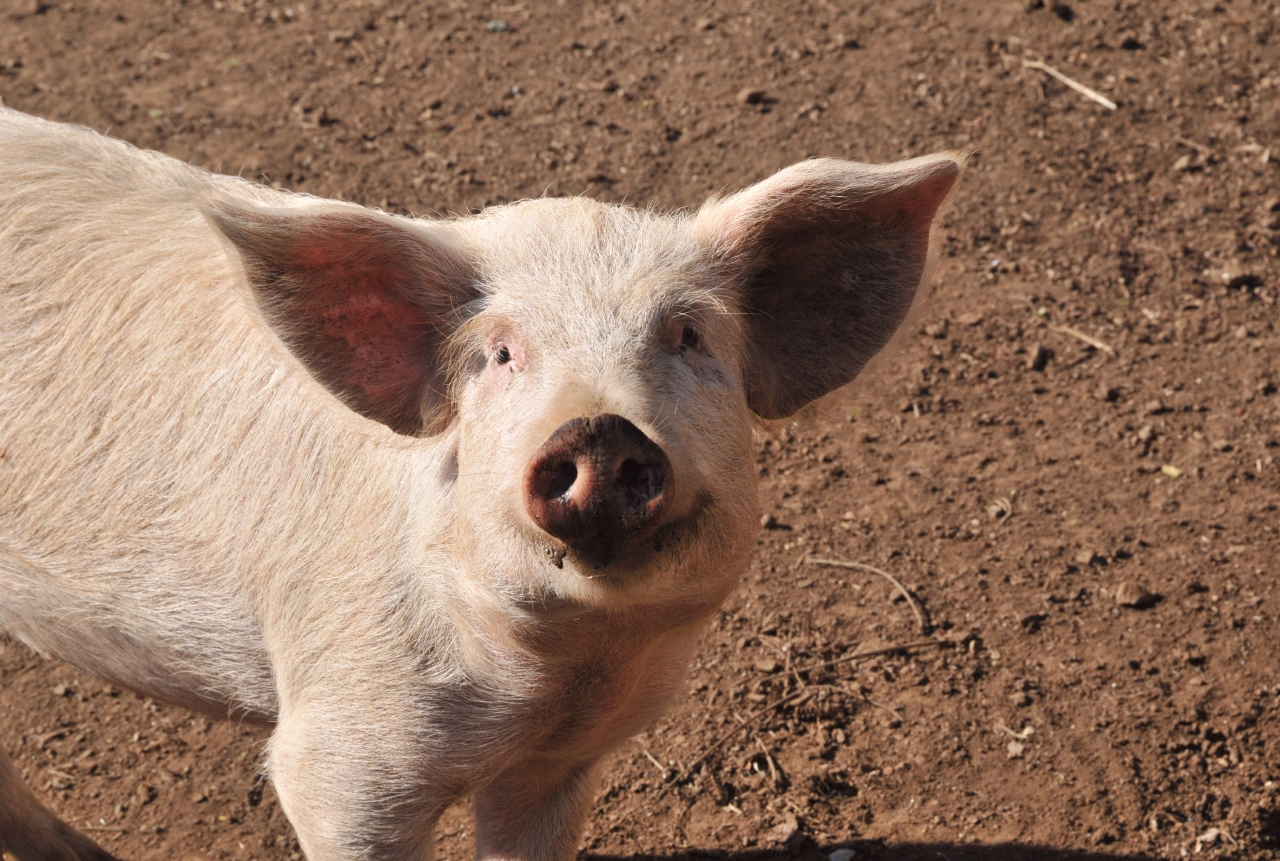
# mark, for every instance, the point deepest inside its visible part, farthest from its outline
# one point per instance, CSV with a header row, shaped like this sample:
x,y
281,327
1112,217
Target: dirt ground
x,y
1068,458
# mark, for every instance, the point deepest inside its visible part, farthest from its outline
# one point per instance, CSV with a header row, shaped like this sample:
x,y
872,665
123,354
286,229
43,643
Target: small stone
x,y
704,24
1155,408
496,26
1021,699
936,330
1039,358
1135,595
1183,163
198,797
840,855
1244,281
1015,749
1110,394
767,665
785,830
768,521
750,96
1086,557
972,318
61,690
1210,838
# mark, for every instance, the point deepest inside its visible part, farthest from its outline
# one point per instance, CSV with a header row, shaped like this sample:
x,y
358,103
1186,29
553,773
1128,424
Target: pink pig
x,y
445,503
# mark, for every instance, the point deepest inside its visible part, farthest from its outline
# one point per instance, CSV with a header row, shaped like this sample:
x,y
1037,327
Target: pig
x,y
443,503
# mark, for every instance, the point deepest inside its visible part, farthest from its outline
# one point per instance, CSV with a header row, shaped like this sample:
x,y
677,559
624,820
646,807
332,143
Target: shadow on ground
x,y
877,851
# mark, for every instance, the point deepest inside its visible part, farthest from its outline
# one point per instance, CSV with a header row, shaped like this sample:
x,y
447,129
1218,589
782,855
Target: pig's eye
x,y
502,355
690,339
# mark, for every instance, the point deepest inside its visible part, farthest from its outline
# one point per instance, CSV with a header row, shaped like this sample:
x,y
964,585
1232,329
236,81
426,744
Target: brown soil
x,y
1011,475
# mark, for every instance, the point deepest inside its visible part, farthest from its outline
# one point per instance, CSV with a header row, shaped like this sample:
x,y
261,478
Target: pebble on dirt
x,y
750,96
1087,557
786,830
1135,595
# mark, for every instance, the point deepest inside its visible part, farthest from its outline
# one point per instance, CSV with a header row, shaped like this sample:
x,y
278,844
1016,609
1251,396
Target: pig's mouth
x,y
613,560
594,556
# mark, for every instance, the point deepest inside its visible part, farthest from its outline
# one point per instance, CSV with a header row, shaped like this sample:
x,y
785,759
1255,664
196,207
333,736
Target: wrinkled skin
x,y
268,457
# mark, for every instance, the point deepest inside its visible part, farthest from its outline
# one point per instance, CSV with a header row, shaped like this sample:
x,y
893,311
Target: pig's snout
x,y
596,484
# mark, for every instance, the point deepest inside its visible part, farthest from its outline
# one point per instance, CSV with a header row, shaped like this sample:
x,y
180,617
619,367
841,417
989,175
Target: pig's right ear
x,y
828,254
365,301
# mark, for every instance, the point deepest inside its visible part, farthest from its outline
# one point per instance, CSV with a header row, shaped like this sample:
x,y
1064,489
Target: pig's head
x,y
597,369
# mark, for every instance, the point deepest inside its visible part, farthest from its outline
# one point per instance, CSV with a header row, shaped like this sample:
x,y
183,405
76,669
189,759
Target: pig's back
x,y
164,465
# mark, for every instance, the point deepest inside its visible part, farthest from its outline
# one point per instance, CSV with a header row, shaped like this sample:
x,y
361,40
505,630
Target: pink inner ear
x,y
381,333
363,301
373,342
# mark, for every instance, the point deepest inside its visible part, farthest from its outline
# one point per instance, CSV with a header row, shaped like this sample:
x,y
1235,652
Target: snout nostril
x,y
641,482
555,481
599,485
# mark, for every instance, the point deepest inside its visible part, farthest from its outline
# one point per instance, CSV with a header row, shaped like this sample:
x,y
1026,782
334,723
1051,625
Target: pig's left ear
x,y
829,254
366,302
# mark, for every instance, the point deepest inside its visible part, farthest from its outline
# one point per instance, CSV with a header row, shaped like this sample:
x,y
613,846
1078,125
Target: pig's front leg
x,y
534,811
355,783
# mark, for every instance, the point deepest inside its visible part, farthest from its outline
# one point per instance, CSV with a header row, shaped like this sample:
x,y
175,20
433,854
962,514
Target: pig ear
x,y
365,301
831,253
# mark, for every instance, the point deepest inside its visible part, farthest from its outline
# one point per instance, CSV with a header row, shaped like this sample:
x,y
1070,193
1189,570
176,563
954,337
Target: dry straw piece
x,y
1088,339
1075,85
840,563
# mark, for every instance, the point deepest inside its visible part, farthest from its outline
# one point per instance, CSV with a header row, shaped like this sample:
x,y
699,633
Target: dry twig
x,y
720,742
1073,84
791,697
1198,147
835,662
856,656
794,695
768,760
838,563
42,740
874,653
1088,339
662,769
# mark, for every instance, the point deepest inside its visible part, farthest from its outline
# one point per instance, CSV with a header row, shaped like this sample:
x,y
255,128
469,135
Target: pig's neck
x,y
581,682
